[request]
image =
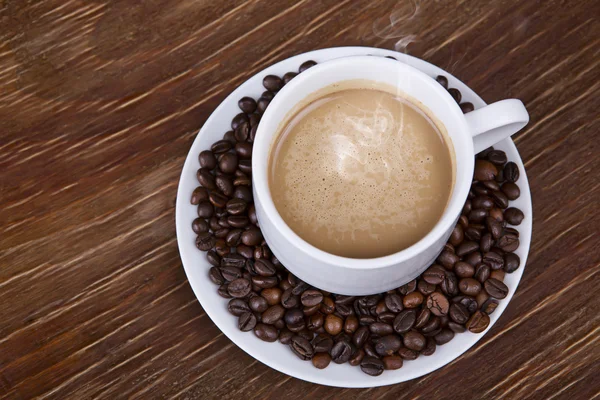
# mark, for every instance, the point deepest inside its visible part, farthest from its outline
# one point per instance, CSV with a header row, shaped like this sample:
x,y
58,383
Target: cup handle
x,y
497,121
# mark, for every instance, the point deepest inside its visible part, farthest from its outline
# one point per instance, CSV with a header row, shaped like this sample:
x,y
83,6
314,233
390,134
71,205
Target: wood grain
x,y
99,104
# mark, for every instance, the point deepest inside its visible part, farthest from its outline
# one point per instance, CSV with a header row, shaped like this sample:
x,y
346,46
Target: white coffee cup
x,y
469,134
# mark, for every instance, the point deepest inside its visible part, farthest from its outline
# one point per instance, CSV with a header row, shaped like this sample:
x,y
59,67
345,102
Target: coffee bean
x,y
486,242
493,259
449,285
215,276
299,288
238,120
321,360
414,340
485,170
272,295
223,291
370,350
422,318
508,242
496,288
455,93
511,172
484,202
444,336
463,221
513,216
262,104
366,320
404,321
302,348
425,288
247,105
207,160
432,325
205,241
511,262
442,80
412,300
392,362
206,178
372,366
500,199
267,333
381,329
311,298
456,328
464,270
360,337
497,157
457,235
258,304
252,236
408,354
357,357
459,313
200,225
498,274
322,343
438,303
429,347
394,302
408,287
388,345
447,259
230,273
466,247
239,288
272,83
478,322
469,286
489,306
306,65
242,193
222,146
199,194
433,275
264,267
315,321
285,336
289,300
246,321
482,272
467,107
341,352
333,324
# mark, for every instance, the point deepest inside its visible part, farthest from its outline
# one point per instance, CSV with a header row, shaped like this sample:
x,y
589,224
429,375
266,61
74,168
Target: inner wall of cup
x,y
422,90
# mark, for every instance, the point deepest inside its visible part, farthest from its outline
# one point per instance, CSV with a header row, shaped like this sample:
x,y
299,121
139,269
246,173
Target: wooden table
x,y
99,104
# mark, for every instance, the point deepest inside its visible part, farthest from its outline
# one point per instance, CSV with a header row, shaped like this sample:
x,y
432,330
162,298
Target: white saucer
x,y
276,355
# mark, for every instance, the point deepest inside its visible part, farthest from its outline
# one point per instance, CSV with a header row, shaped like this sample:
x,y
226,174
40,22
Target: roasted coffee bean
x,y
492,185
494,227
267,94
239,288
392,362
497,214
272,83
508,242
288,77
264,282
463,221
455,93
238,119
341,299
199,194
511,172
207,160
360,337
243,151
438,303
351,324
215,276
341,352
372,366
434,275
258,304
306,334
315,321
432,325
498,274
408,354
241,180
370,350
513,216
200,225
294,316
285,336
344,310
496,288
456,328
245,166
404,321
497,157
222,146
213,258
414,340
238,221
333,324
252,236
262,252
478,322
242,132
404,289
223,291
306,65
205,209
388,345
466,247
272,295
464,270
380,308
289,300
447,259
469,286
493,259
366,319
482,272
321,360
230,273
477,216
457,235
213,222
412,300
481,298
500,199
322,343
246,321
267,333
425,288
311,298
242,193
429,347
484,202
511,262
262,105
233,237
489,306
302,348
381,329
511,190
444,336
247,105
467,107
229,136
468,302
442,80
449,285
485,170
221,248
205,241
299,288
473,233
217,199
264,268
221,233
486,242
459,313
393,302
327,306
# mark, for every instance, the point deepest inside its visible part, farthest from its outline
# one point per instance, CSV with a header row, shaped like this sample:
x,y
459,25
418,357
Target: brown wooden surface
x,y
99,104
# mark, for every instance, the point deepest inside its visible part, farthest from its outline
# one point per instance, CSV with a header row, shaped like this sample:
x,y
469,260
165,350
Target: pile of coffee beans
x,y
376,332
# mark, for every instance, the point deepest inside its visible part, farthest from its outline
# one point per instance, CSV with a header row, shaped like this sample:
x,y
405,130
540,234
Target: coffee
x,y
360,172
